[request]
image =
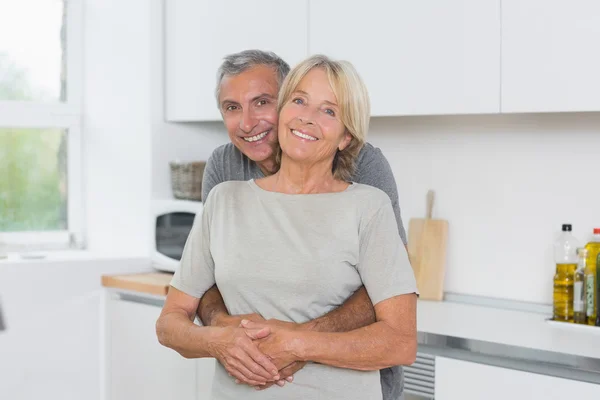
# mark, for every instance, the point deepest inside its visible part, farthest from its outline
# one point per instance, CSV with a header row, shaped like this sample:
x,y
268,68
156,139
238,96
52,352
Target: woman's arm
x,y
233,347
390,341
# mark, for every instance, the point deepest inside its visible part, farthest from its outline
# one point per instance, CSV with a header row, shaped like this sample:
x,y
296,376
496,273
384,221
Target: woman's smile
x,y
303,135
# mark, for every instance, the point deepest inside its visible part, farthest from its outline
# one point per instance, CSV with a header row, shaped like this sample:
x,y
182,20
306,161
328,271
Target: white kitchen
x,y
494,105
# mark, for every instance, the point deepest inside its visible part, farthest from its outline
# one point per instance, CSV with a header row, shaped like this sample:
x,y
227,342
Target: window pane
x,y
33,179
32,50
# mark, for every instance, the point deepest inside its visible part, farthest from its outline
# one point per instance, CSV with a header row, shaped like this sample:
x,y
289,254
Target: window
x,y
41,77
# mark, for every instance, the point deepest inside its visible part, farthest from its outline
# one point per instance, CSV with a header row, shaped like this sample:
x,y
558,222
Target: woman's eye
x,y
330,112
298,101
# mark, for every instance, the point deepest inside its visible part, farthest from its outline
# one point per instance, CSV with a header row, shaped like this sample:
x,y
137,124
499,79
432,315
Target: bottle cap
x,y
567,228
596,231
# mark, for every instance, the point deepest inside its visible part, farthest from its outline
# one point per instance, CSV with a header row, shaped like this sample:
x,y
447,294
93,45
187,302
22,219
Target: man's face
x,y
248,103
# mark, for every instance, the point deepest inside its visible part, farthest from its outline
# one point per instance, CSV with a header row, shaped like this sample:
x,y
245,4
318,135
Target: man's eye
x,y
231,108
330,112
262,102
298,101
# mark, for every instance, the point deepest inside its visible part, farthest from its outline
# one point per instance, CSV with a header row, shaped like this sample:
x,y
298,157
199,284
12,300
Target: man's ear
x,y
345,141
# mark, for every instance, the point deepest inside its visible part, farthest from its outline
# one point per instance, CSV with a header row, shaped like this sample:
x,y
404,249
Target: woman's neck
x,y
293,178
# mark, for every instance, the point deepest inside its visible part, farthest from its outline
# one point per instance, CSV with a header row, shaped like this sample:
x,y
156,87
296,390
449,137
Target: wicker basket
x,y
186,179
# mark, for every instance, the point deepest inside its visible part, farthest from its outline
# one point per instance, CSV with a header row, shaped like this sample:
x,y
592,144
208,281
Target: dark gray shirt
x,y
227,163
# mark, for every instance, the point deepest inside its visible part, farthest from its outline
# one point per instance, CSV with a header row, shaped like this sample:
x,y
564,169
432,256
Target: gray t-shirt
x,y
295,258
228,163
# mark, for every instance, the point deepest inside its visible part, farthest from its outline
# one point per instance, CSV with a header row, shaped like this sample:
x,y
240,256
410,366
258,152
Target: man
x,y
247,90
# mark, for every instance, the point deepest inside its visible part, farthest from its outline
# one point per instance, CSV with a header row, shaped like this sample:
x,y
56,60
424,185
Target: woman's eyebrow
x,y
298,91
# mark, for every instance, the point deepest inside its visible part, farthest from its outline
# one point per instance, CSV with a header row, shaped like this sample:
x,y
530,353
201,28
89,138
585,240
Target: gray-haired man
x,y
247,89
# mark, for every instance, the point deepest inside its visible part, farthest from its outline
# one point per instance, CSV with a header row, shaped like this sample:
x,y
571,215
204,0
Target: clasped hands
x,y
257,352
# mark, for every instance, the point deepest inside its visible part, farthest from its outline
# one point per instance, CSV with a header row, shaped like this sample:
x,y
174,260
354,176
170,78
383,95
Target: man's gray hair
x,y
235,64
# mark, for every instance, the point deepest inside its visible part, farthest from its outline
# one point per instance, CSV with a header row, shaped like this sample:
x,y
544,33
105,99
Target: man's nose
x,y
248,121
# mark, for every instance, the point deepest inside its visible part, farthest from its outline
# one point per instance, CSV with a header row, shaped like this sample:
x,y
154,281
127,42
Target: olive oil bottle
x,y
579,316
593,249
566,264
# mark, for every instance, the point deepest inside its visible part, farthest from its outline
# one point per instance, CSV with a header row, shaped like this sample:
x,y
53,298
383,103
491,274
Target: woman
x,y
296,244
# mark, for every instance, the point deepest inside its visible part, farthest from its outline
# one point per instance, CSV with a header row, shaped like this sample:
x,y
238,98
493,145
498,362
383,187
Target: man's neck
x,y
268,166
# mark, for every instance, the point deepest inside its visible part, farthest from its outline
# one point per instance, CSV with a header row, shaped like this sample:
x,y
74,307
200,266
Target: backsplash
x,y
506,183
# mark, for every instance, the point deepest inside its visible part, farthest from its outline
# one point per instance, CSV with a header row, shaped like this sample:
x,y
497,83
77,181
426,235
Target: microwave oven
x,y
172,222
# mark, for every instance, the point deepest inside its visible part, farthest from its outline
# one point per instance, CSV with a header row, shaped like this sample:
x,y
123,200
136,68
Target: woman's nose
x,y
306,119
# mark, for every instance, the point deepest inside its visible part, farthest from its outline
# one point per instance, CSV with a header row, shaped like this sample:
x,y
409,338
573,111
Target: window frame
x,y
62,115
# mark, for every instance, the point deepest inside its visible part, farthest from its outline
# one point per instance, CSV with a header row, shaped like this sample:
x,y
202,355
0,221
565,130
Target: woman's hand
x,y
286,374
236,351
278,346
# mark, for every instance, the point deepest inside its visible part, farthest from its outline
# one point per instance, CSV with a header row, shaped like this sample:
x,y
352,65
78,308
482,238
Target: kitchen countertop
x,y
154,283
508,327
514,339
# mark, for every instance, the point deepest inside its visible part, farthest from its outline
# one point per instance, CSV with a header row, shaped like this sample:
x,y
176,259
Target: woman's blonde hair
x,y
352,99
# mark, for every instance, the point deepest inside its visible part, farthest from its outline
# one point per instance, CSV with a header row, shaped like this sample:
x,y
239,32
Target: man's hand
x,y
277,346
236,351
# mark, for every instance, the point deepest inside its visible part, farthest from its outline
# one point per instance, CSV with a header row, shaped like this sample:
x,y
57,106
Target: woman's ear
x,y
345,141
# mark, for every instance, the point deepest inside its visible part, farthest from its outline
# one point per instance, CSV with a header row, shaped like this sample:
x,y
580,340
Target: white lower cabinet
x,y
205,371
138,367
463,380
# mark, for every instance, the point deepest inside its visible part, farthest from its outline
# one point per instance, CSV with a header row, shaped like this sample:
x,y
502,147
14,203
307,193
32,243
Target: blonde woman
x,y
296,244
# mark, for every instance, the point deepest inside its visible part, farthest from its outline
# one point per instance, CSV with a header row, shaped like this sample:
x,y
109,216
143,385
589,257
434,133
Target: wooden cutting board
x,y
427,247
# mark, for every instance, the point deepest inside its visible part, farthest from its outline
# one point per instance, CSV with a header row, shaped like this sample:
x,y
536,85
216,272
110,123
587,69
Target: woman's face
x,y
310,128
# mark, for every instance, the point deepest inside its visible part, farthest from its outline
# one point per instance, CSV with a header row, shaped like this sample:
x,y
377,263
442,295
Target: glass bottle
x,y
593,248
565,257
579,316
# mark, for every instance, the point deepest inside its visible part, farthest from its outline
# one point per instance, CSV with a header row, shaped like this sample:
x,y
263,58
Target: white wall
x,y
506,183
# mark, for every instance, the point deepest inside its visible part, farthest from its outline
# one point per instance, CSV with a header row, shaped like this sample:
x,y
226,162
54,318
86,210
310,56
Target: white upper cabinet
x,y
416,57
199,33
550,55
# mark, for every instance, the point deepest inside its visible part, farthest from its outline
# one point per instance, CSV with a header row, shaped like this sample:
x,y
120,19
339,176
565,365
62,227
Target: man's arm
x,y
356,312
213,312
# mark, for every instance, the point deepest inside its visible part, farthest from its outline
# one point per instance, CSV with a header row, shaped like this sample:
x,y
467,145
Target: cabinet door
x,y
464,380
199,33
138,366
205,372
550,56
416,57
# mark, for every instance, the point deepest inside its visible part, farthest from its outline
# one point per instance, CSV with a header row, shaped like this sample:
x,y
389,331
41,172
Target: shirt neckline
x,y
252,183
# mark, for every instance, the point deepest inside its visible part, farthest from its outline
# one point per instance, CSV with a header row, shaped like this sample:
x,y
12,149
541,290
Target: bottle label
x,y
578,297
589,294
